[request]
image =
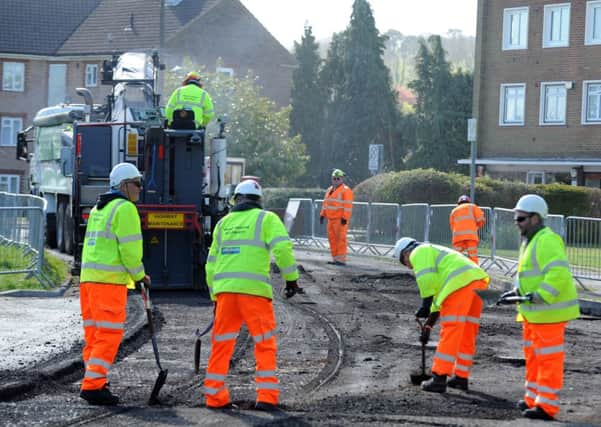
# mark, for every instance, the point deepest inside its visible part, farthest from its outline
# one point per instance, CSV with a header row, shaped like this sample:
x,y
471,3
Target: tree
x,y
443,106
366,112
307,101
256,129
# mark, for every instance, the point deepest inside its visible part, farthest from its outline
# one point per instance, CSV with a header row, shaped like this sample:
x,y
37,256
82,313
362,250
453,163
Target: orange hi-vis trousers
x,y
544,354
468,248
103,311
337,238
459,324
257,313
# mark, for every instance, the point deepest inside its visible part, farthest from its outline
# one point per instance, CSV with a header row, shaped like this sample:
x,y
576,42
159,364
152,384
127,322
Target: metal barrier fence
x,y
375,227
22,231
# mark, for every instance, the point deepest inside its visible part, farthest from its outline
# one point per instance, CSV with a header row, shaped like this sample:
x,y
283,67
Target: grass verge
x,y
54,268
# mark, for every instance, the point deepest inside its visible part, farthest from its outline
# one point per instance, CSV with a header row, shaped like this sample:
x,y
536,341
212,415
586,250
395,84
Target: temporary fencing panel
x,y
414,221
440,229
22,226
583,244
384,223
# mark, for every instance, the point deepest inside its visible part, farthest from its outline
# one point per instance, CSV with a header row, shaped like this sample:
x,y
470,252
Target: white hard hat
x,y
123,171
249,187
402,244
532,203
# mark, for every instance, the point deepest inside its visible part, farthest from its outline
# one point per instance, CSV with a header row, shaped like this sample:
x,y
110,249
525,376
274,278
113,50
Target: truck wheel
x,y
60,226
68,230
51,231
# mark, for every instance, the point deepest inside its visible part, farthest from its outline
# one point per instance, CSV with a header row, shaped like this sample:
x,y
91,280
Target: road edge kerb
x,y
32,293
65,367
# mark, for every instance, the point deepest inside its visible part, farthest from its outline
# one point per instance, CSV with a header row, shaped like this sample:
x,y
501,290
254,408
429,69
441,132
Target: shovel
x,y
492,298
160,381
197,345
417,379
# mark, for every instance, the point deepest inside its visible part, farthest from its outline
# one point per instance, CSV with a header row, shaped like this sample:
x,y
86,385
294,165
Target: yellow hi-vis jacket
x,y
239,258
112,248
338,203
440,271
191,97
543,270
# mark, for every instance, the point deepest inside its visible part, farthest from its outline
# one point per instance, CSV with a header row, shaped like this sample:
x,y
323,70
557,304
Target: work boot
x,y
339,263
437,384
459,383
537,413
522,405
264,406
101,396
331,262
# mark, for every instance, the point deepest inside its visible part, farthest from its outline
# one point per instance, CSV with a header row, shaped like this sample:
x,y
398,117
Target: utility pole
x,y
471,137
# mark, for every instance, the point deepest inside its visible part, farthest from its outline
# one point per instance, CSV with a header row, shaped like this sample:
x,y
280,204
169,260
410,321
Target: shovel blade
x,y
417,379
489,296
158,384
197,356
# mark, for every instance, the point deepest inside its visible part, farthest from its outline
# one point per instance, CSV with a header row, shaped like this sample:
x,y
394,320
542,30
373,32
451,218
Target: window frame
x,y
506,37
531,177
225,70
589,25
8,178
547,25
502,90
13,131
584,118
543,103
88,83
13,88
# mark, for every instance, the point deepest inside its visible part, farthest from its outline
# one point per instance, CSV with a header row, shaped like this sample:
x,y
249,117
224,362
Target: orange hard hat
x,y
192,77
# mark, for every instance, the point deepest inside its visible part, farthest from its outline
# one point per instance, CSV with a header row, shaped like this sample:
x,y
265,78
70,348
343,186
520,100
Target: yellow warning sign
x,y
165,220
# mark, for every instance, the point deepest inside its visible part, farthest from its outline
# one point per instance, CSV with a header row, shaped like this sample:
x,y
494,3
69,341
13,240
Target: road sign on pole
x,y
376,156
471,137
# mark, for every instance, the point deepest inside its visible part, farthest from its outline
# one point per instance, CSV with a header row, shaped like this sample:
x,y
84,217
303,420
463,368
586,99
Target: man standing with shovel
x,y
447,282
545,280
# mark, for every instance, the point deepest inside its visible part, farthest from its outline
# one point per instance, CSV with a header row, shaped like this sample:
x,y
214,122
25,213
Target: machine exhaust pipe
x,y
88,99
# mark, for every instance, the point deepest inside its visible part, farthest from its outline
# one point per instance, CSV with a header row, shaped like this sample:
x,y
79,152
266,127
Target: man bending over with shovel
x,y
447,282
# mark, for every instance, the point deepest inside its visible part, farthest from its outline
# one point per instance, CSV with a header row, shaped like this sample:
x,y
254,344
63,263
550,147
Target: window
x,y
591,102
225,70
553,97
556,27
535,177
49,142
593,23
8,132
57,83
515,28
512,102
91,75
13,76
9,183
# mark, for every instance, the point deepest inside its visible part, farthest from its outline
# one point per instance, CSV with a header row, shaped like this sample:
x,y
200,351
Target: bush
x,y
277,198
434,187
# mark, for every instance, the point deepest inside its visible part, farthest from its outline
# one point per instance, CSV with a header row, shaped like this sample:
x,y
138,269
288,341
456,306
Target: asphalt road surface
x,y
346,351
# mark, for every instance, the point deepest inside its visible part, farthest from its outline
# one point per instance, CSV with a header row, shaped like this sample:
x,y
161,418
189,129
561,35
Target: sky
x,y
285,19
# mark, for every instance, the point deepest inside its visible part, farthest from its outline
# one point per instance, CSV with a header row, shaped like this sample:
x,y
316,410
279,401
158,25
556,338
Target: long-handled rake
x,y
160,381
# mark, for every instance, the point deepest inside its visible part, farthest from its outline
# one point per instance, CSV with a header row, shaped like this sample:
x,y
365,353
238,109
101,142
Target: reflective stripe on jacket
x,y
465,220
191,97
440,271
112,248
239,258
338,203
544,270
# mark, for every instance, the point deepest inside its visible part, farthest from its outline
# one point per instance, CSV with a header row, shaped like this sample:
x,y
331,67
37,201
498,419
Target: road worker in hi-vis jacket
x,y
337,208
544,277
111,262
237,273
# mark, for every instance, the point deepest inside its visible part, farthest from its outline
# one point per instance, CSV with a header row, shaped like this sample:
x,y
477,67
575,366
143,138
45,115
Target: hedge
x,y
434,187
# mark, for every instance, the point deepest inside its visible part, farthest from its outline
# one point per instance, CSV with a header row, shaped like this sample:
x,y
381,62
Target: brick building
x,y
537,90
48,48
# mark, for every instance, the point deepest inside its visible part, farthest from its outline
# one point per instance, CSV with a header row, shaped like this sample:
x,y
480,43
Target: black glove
x,y
424,310
343,221
321,218
292,289
432,319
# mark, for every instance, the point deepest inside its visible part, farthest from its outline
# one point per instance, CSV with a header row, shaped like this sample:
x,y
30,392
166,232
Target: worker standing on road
x,y
447,282
237,273
544,276
466,219
191,96
337,208
111,262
